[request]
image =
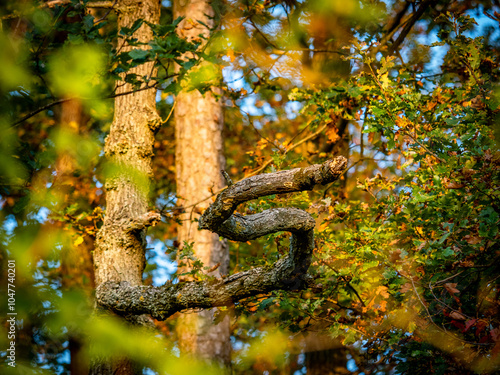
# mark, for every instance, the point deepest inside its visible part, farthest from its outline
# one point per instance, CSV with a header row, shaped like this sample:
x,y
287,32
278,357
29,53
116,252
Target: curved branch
x,y
298,179
288,273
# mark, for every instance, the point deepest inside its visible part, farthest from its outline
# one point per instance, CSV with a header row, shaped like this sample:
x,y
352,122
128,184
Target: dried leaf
x,y
455,185
457,316
451,288
406,288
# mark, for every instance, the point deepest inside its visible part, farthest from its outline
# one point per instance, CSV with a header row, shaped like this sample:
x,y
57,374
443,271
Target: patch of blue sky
x,y
249,106
485,25
234,78
9,224
165,266
40,216
292,109
98,184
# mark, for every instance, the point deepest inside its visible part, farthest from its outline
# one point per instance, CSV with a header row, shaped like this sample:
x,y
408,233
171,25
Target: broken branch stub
x,y
288,273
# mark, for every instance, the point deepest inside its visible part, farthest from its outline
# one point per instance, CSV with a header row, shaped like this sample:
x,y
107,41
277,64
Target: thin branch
x,y
171,111
308,138
107,13
93,4
60,101
259,134
41,109
409,25
149,219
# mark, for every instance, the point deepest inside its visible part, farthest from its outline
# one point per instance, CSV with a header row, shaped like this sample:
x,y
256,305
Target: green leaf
x,y
138,54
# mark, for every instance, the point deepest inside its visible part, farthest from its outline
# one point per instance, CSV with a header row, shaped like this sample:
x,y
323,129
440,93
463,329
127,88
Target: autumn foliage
x,y
406,262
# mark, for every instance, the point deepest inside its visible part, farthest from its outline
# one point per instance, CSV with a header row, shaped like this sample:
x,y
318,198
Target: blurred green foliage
x,y
407,245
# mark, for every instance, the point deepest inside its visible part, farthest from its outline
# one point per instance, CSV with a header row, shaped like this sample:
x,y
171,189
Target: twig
x,y
107,13
93,4
259,134
60,101
266,164
171,111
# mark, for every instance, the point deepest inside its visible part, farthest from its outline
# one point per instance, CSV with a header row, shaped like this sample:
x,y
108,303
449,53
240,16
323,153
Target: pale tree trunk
x,y
199,160
120,244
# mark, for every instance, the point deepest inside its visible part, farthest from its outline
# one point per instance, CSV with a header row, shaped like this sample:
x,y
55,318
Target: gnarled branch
x,y
288,273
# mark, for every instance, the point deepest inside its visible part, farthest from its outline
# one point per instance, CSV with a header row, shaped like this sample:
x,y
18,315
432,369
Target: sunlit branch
x,y
288,273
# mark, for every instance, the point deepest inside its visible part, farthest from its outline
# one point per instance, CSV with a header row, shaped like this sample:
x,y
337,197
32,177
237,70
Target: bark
x,y
199,158
327,362
288,273
120,244
119,254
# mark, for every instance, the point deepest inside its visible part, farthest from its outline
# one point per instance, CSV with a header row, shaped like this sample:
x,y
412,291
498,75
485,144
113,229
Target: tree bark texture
x,y
119,254
199,157
120,244
288,273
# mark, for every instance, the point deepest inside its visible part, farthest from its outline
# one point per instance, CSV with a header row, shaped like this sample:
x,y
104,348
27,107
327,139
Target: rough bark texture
x,y
120,244
288,273
119,254
199,159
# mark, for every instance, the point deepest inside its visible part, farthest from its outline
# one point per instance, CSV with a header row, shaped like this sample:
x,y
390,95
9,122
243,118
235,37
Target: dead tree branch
x,y
288,273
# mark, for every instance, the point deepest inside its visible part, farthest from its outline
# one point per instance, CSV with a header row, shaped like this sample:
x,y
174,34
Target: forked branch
x,y
288,273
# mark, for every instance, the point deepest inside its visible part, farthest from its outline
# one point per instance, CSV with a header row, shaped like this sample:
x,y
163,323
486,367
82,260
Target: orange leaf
x,y
333,134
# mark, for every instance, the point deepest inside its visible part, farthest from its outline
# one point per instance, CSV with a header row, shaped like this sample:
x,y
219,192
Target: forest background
x,y
404,276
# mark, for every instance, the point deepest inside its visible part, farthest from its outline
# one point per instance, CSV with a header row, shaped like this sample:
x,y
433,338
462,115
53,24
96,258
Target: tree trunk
x,y
199,160
327,362
120,244
129,149
76,261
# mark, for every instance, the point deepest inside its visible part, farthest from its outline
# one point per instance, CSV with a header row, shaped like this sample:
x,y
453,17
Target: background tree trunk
x,y
76,261
199,160
120,252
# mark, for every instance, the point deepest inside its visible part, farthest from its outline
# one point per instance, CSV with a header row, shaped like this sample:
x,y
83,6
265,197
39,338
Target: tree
x,y
404,256
199,157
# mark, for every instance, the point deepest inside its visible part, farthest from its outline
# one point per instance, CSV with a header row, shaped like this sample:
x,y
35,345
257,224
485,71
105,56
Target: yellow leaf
x,y
412,326
384,80
78,241
323,226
